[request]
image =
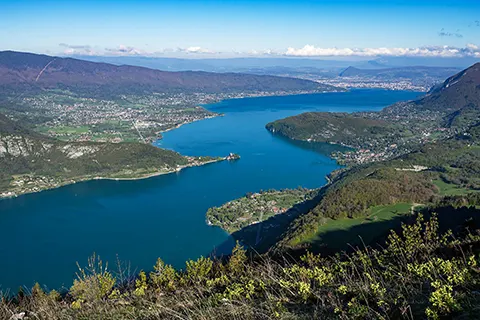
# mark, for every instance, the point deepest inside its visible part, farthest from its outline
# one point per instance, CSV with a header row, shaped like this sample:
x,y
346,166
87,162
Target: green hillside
x,y
342,128
31,162
425,175
445,111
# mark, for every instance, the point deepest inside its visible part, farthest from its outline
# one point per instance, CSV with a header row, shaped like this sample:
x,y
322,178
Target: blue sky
x,y
239,28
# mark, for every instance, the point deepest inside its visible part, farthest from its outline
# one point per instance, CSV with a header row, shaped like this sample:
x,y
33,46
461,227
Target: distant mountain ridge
x,y
400,72
33,71
244,63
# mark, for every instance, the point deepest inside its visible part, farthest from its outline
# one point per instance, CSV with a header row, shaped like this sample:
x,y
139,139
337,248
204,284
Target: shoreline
x,y
156,174
72,181
278,94
188,122
85,179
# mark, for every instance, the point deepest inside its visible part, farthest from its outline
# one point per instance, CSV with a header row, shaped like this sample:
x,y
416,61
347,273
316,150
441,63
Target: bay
x,y
44,235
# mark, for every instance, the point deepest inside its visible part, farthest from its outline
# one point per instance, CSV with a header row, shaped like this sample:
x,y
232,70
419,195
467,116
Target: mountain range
x,y
412,72
273,63
37,72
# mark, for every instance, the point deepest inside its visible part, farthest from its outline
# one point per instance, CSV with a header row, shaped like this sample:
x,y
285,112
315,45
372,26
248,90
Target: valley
x,y
361,203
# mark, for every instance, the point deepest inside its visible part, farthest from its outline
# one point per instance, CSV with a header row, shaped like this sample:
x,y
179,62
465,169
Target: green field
x,y
449,189
65,129
337,234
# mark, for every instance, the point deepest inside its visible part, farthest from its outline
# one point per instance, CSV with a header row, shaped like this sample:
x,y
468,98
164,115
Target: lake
x,y
45,234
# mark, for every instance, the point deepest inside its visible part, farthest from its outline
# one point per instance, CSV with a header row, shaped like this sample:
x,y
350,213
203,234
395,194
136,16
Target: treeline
x,y
458,201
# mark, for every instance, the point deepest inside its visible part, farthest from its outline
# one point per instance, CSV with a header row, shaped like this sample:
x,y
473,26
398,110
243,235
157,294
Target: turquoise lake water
x,y
43,235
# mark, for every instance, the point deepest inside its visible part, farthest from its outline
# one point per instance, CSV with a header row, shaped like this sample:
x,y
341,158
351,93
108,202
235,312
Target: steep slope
x,y
456,92
33,71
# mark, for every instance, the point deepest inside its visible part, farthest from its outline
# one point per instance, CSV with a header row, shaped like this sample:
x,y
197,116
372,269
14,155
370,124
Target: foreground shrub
x,y
94,283
419,274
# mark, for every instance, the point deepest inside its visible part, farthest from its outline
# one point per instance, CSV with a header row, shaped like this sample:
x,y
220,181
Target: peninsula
x,y
447,110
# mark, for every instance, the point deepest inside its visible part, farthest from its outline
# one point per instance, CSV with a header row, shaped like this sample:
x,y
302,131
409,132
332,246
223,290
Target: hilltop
x,y
455,93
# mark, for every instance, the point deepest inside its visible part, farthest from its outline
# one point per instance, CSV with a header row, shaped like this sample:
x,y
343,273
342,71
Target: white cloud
x,y
77,49
196,50
470,50
471,46
253,52
123,50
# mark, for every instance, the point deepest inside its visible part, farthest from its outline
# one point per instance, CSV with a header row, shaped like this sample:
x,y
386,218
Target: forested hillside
x,y
429,168
447,110
32,162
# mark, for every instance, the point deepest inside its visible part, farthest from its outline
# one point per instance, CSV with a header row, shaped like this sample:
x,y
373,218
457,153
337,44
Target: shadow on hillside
x,y
375,234
358,236
322,148
263,235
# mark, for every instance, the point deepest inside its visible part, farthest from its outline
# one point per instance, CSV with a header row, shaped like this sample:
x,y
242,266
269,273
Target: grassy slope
x,y
328,234
449,189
